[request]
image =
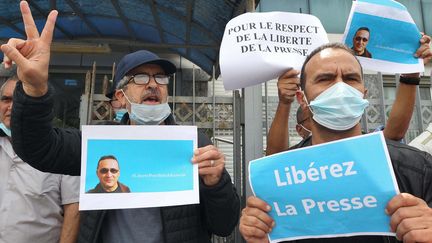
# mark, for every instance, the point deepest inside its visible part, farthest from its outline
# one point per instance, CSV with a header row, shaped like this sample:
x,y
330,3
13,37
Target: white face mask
x,y
339,107
143,114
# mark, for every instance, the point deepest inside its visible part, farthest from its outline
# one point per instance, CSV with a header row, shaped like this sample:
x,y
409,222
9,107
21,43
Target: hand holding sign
x,y
211,163
424,51
411,218
288,84
255,223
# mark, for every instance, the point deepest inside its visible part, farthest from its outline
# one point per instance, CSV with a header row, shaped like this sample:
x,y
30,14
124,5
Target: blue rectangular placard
x,y
146,165
335,189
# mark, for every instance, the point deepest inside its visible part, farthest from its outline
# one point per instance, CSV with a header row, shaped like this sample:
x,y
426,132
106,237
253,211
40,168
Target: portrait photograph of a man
x,y
108,172
360,41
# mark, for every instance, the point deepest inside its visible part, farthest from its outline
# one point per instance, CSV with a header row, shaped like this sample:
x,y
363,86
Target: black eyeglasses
x,y
105,170
359,38
144,78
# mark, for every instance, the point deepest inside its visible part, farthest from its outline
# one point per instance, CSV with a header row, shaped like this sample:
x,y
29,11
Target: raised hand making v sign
x,y
32,55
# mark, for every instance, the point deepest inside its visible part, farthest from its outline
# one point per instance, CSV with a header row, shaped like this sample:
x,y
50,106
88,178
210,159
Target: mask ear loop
x,y
307,130
305,100
126,96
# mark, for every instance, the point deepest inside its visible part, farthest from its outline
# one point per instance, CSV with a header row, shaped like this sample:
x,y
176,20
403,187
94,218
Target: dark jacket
x,y
366,53
413,171
99,189
59,151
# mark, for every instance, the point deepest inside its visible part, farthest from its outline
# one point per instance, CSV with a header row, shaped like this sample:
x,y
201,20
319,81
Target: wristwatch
x,y
409,80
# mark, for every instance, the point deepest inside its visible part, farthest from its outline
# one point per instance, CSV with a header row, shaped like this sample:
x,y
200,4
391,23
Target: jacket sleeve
x,y
36,141
220,203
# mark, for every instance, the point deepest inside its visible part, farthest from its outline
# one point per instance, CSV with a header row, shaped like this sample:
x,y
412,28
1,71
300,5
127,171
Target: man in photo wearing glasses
x,y
360,41
108,172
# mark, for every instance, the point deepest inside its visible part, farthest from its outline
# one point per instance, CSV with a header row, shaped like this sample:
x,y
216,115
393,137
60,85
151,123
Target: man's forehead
x,y
147,68
332,58
362,33
108,162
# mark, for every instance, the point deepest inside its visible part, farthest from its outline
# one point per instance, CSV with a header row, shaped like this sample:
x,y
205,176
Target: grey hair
x,y
13,77
122,82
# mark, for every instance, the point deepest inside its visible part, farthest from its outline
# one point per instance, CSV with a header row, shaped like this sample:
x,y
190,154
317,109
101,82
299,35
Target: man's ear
x,y
298,128
120,97
300,98
365,93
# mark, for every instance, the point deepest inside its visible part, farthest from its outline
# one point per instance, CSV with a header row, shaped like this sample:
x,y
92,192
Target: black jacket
x,y
413,171
56,150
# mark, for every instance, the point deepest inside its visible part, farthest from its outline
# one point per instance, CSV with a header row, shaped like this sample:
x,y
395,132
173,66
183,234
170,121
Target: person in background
x,y
34,206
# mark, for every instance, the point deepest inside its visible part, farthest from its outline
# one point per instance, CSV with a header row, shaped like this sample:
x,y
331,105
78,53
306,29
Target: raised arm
x,y
277,139
403,106
34,139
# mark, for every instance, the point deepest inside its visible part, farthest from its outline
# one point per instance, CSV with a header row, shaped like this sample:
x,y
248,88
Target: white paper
x,y
257,47
119,137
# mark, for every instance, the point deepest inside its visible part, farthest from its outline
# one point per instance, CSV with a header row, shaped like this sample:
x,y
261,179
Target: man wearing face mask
x,y
141,80
394,129
33,204
332,93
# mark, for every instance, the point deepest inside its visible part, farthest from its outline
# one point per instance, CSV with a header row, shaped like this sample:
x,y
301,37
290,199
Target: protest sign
x,y
384,36
257,47
149,166
328,190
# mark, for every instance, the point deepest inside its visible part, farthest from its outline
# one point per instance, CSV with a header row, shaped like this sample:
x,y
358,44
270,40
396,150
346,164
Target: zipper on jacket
x,y
163,225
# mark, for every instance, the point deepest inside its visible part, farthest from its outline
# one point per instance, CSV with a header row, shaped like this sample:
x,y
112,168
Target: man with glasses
x,y
108,172
140,85
360,41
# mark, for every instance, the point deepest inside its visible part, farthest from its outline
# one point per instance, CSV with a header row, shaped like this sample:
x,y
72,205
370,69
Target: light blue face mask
x,y
143,114
340,107
6,130
120,113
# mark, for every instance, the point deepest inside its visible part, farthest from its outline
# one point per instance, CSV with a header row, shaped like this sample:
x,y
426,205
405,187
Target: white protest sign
x,y
257,47
151,167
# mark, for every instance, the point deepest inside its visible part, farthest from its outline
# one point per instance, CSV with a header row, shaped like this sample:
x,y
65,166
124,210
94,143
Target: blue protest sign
x,y
384,36
335,189
146,166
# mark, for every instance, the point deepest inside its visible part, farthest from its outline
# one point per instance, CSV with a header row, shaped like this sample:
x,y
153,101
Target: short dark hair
x,y
362,28
333,45
107,157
